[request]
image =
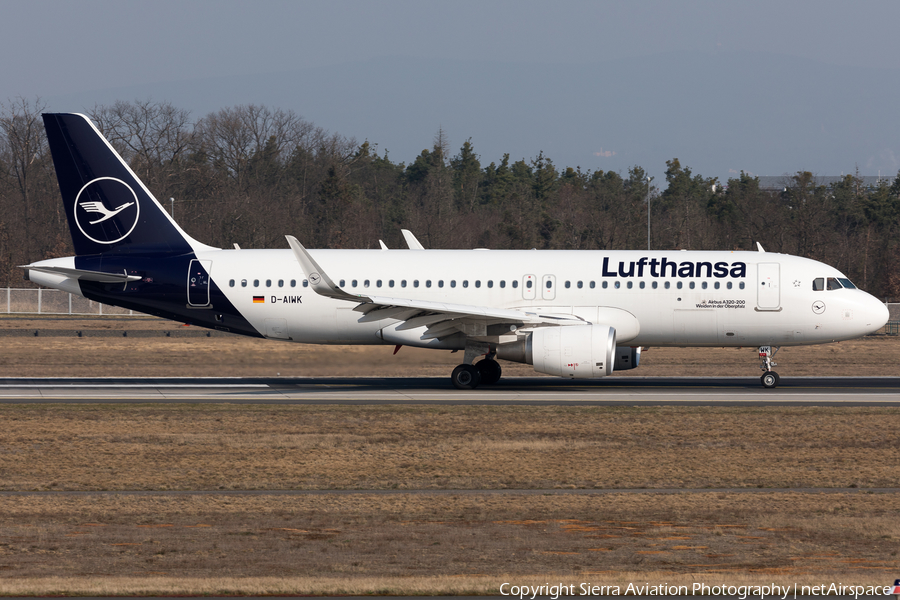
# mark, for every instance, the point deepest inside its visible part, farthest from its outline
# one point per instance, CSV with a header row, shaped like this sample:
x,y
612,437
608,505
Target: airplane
x,y
579,314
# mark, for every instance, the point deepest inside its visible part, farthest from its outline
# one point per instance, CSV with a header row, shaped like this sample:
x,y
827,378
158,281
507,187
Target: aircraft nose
x,y
878,313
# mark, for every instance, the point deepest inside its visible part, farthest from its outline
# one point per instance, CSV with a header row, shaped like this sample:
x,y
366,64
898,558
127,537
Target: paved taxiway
x,y
845,391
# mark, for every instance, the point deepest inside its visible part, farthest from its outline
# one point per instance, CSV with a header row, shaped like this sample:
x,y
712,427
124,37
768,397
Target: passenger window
x,y
630,284
305,283
592,284
655,285
453,283
692,285
568,284
478,283
256,283
342,283
549,284
704,285
668,284
415,283
465,283
428,283
390,283
515,283
580,284
833,284
366,283
502,283
528,284
741,285
268,283
716,285
617,285
728,285
642,285
490,283
441,283
403,283
243,283
354,282
231,283
605,284
378,283
293,283
679,285
281,283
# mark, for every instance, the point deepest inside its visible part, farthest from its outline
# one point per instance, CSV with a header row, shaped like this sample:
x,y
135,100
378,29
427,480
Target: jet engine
x,y
574,351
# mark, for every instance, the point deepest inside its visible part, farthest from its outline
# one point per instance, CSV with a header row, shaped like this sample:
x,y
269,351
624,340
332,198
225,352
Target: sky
x,y
768,87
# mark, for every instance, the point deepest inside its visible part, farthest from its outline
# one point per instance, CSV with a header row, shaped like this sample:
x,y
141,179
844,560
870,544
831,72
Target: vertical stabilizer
x,y
109,209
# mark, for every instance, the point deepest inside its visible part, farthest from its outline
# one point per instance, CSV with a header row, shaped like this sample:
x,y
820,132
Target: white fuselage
x,y
768,301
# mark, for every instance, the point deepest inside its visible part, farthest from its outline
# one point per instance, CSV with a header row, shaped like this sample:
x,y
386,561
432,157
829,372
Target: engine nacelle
x,y
627,358
574,351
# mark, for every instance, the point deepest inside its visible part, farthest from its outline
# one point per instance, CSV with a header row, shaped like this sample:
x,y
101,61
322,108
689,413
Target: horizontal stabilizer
x,y
97,276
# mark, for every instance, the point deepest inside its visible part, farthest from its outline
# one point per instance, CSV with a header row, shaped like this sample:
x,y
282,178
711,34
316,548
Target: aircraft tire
x,y
489,370
465,377
770,379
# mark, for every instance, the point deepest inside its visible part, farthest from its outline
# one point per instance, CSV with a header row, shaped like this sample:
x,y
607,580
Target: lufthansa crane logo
x,y
314,278
106,210
818,307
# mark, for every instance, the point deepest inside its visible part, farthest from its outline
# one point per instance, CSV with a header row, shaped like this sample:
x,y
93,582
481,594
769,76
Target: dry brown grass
x,y
246,357
449,544
425,543
127,447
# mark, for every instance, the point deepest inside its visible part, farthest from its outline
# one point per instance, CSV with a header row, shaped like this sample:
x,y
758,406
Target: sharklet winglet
x,y
319,281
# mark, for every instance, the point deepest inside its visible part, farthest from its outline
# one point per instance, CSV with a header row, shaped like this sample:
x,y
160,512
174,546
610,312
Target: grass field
x,y
429,542
440,544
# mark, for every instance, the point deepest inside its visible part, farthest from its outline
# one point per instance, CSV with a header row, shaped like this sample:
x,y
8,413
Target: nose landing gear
x,y
769,378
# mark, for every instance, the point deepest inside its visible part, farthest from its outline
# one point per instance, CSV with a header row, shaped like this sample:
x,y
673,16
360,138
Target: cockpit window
x,y
847,283
818,284
834,284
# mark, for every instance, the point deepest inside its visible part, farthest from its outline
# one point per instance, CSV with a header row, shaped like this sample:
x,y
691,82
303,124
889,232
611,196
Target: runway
x,y
621,391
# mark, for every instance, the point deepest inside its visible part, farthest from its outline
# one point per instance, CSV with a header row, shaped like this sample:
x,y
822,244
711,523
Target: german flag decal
x,y
259,299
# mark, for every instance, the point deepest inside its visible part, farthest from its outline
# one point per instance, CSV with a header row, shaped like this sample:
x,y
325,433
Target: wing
x,y
439,319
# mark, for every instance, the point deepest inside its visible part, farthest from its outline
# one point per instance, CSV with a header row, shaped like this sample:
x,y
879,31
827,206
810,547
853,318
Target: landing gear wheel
x,y
769,379
465,377
489,370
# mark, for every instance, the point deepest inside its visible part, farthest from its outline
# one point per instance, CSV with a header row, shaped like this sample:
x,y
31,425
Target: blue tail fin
x,y
108,208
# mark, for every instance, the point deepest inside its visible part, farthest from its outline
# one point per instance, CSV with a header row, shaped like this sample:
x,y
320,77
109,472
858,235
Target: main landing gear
x,y
769,377
487,371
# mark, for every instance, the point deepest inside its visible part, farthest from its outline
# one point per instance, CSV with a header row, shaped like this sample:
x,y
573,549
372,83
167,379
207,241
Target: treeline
x,y
251,174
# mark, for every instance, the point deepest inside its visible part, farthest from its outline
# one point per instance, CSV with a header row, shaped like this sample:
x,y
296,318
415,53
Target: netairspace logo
x,y
555,591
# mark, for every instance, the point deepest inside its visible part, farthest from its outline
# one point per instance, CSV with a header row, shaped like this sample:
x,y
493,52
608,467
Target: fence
x,y
53,302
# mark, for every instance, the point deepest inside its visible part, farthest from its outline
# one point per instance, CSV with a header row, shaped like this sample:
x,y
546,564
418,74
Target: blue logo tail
x,y
109,209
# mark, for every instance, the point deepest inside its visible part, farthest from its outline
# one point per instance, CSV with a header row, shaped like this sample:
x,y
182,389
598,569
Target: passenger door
x,y
767,289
